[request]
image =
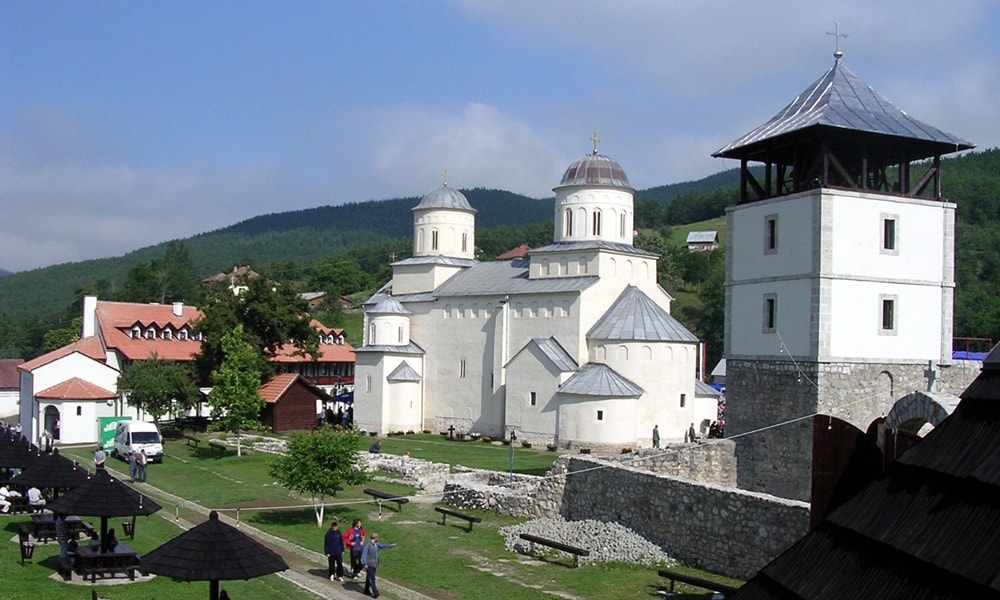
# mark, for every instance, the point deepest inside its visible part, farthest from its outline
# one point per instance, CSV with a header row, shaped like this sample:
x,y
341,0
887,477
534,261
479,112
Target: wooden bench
x,y
218,445
576,552
192,441
45,527
19,504
446,512
704,584
380,496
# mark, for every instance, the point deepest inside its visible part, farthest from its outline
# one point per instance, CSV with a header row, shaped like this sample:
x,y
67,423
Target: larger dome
x,y
445,197
595,169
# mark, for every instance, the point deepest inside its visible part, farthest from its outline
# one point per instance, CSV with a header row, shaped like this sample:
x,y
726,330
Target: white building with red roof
x,y
67,391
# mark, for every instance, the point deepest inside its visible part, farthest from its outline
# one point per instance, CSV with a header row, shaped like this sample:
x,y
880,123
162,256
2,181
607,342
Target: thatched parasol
x,y
102,495
213,551
18,453
52,471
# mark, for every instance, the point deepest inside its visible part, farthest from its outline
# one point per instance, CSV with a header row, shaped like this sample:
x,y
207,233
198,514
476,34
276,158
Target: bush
x,y
526,444
551,447
626,450
487,439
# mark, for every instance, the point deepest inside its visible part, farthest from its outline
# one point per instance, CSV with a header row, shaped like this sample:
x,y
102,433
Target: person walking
x,y
133,465
333,547
141,462
656,436
692,436
99,457
62,536
370,559
354,539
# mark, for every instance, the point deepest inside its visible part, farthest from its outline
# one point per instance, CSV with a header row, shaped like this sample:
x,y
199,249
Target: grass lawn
x,y
444,562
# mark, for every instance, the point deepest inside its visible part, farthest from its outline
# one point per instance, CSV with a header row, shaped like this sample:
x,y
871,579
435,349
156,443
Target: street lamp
x,y
513,438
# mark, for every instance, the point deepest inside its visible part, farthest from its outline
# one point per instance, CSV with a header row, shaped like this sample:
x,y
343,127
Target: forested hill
x,y
301,235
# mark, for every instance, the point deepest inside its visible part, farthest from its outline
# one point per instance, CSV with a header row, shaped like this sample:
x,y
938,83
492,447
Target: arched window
x,y
399,335
465,242
568,222
621,226
434,239
371,333
597,223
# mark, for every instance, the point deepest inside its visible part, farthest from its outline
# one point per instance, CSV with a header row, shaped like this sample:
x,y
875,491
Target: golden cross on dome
x,y
445,174
837,35
596,141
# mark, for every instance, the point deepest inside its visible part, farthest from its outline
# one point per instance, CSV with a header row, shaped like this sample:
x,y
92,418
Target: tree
x,y
270,316
235,397
158,387
318,462
63,336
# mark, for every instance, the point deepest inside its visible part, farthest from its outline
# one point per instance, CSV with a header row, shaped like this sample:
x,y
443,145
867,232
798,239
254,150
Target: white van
x,y
138,435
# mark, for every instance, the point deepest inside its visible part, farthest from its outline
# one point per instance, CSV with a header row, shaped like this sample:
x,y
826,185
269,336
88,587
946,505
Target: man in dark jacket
x,y
370,559
333,547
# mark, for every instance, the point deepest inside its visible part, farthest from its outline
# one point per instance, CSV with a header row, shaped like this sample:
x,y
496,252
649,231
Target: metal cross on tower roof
x,y
836,36
596,141
445,175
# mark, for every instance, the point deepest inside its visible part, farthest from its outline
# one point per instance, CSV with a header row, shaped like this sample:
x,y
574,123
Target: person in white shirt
x,y
35,497
5,496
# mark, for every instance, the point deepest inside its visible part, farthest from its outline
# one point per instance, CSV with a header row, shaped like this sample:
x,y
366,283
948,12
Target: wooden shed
x,y
292,403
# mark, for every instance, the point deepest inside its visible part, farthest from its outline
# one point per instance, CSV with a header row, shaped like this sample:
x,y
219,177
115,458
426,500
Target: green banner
x,y
108,426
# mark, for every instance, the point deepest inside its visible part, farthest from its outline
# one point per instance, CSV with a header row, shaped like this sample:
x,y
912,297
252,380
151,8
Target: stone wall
x,y
719,529
774,400
711,461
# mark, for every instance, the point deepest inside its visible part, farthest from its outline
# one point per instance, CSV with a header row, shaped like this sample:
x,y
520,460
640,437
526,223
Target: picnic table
x,y
90,560
45,526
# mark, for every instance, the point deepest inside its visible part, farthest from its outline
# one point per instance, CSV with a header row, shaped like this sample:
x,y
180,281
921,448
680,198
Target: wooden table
x,y
45,526
91,561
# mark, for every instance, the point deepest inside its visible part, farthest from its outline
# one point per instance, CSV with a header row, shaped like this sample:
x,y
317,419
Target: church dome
x,y
444,197
595,169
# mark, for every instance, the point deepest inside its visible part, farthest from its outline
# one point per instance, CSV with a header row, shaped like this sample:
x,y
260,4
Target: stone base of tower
x,y
771,404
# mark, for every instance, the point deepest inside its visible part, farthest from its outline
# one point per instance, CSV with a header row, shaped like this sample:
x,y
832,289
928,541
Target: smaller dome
x,y
388,306
444,197
595,169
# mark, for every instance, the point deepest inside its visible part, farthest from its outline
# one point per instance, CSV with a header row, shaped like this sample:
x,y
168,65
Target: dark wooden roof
x,y
929,527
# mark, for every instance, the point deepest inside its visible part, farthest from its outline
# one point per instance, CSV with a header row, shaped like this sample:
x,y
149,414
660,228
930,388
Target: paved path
x,y
306,568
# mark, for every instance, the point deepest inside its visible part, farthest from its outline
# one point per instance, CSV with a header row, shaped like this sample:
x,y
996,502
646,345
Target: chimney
x,y
89,316
178,309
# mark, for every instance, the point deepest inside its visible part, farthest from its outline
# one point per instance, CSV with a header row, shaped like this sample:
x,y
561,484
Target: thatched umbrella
x,y
213,551
102,495
52,471
18,453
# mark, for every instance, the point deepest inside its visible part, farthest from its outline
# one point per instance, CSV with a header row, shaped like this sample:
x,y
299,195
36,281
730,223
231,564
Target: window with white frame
x,y
461,369
599,415
887,310
890,234
770,321
532,398
771,234
434,239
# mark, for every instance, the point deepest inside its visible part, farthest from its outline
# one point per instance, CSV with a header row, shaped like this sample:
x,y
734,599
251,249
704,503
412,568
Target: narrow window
x,y
371,334
597,222
770,234
534,399
434,240
600,415
182,334
368,383
465,242
888,314
568,222
770,313
79,411
683,400
461,369
136,333
890,234
399,335
621,227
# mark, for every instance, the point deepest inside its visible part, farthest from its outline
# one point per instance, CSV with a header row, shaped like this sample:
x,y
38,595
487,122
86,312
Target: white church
x,y
572,345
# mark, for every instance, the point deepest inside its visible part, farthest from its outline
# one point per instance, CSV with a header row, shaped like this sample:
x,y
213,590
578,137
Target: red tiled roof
x,y
76,389
328,353
519,252
10,377
89,346
116,320
273,389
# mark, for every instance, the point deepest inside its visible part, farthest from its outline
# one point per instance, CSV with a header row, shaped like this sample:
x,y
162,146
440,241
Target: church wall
x,y
586,420
746,305
403,406
450,225
747,227
531,372
583,204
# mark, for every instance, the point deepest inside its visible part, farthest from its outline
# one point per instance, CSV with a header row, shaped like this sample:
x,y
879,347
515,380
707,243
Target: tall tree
x,y
318,462
270,316
235,397
158,387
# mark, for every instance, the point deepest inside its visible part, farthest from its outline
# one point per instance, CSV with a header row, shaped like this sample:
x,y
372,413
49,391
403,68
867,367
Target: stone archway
x,y
51,421
912,411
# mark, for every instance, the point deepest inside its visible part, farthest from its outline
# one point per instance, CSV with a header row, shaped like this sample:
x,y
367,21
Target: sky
x,y
126,124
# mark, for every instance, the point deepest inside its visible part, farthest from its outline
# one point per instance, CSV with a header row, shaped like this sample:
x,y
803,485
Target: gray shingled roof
x,y
840,99
436,260
634,316
703,389
388,305
445,197
404,372
410,348
595,169
591,245
555,352
596,379
702,237
508,277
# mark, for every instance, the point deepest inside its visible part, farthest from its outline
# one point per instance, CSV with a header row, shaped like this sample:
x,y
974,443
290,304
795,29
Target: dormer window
x,y
168,335
135,333
182,334
151,334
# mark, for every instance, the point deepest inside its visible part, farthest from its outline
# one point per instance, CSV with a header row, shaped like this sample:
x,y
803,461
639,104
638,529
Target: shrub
x,y
526,444
551,447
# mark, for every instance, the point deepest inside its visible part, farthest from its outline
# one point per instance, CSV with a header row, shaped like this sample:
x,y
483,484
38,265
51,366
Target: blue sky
x,y
124,124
